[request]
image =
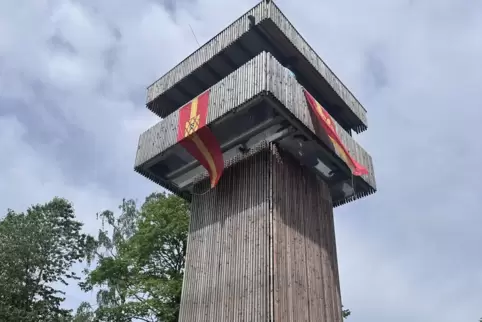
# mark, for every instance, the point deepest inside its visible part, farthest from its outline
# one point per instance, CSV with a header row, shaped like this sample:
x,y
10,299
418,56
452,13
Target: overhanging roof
x,y
263,28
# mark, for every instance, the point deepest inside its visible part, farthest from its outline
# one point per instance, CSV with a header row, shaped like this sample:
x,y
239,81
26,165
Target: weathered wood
x,y
206,52
264,77
289,92
261,246
265,14
234,90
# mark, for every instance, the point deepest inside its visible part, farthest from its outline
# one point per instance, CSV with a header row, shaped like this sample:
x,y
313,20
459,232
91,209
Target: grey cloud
x,y
58,42
375,68
70,120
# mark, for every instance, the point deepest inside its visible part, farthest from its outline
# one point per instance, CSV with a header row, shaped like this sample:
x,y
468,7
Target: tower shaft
x,y
261,245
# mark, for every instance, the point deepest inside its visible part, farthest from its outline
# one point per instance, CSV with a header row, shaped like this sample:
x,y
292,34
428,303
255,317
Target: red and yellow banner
x,y
197,138
327,123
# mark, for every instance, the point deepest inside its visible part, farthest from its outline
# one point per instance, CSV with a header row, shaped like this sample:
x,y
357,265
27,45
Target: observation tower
x,y
256,134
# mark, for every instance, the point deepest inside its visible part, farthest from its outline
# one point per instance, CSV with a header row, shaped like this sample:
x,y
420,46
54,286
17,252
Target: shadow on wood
x,y
262,245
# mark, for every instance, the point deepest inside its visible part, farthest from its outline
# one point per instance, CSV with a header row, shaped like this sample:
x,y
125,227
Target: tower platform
x,y
259,101
257,112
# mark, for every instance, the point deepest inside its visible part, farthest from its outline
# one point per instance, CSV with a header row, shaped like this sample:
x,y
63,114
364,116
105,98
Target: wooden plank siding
x,y
201,56
261,245
263,76
284,87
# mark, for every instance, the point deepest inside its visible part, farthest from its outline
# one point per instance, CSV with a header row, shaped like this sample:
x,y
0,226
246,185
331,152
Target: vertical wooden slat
x,y
290,93
266,212
205,53
244,307
298,214
262,73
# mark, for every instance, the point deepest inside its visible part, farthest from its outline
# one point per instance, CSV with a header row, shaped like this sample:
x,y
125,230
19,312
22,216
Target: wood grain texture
x,y
284,87
262,12
261,246
206,52
261,75
261,78
236,89
289,31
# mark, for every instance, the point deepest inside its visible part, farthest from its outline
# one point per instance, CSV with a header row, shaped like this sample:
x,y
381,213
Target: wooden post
x,y
261,246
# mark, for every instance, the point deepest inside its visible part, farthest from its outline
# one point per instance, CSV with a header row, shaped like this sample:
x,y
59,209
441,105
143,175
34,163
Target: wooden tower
x,y
256,133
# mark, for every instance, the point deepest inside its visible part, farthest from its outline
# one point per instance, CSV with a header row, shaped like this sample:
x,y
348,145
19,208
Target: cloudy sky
x,y
72,90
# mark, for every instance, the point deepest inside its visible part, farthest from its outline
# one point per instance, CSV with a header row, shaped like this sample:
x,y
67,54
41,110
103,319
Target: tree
x,y
37,251
140,260
345,313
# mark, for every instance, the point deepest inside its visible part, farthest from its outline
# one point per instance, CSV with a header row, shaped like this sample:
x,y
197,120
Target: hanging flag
x,y
197,138
327,123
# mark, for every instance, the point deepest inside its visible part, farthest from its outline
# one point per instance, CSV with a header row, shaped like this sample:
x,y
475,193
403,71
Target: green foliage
x,y
37,251
345,313
139,254
84,313
140,260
